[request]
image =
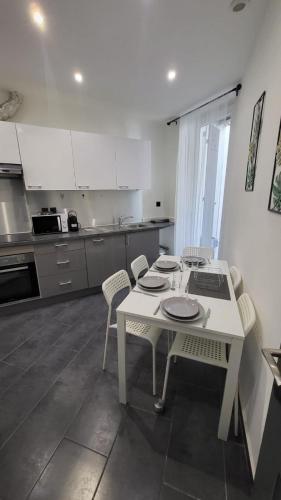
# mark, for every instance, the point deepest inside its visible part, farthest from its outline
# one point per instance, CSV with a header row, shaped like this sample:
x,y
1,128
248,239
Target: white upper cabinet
x,y
94,161
47,160
133,164
9,148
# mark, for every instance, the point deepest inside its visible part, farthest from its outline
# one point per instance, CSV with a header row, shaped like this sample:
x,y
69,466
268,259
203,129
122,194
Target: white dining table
x,y
224,324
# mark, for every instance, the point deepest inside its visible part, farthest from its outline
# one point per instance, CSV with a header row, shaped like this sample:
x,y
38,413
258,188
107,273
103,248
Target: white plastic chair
x,y
236,277
212,352
139,265
205,252
110,287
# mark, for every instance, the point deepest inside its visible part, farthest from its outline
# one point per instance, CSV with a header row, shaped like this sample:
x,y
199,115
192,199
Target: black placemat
x,y
209,285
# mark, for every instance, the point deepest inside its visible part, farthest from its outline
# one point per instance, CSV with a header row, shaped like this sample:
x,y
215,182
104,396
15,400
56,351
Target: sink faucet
x,y
121,219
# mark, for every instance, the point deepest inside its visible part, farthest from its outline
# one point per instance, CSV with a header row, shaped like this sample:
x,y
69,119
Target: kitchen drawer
x,y
63,283
53,263
59,246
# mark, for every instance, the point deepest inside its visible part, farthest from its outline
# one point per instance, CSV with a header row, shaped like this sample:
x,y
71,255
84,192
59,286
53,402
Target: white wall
x,y
78,113
251,235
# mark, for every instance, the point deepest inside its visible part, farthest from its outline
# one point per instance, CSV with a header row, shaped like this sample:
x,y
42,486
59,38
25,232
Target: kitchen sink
x,y
136,225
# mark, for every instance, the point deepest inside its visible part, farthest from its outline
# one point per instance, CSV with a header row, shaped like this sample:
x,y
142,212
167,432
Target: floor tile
x,y
238,479
98,421
73,473
195,457
168,493
35,346
8,375
25,393
135,465
28,451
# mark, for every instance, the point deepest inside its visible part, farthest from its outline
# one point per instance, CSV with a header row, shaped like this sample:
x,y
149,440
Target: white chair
x,y
205,252
236,277
212,352
110,287
139,265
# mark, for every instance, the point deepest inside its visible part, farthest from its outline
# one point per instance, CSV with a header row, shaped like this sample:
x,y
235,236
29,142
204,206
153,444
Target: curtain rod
x,y
235,89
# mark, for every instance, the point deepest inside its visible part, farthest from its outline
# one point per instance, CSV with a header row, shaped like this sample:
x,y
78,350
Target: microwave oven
x,y
50,223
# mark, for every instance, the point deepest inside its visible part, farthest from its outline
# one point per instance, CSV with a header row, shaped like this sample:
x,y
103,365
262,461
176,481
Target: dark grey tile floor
x,y
64,436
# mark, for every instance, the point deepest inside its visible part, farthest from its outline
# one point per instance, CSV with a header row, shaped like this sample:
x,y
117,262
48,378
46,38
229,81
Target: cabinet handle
x,y
39,186
59,263
123,187
61,245
83,187
98,241
63,283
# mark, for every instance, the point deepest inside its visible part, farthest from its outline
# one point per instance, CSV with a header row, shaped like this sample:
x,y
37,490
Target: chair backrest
x,y
115,284
138,265
236,277
247,312
205,252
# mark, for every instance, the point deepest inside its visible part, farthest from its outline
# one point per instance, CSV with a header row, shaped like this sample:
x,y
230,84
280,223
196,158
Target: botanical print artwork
x,y
275,193
254,143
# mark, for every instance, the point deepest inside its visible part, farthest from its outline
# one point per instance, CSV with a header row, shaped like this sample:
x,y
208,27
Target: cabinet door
x,y
94,161
142,243
105,256
46,155
9,148
133,164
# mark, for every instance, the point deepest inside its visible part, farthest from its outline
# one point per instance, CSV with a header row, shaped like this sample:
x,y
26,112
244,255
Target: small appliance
x,y
49,223
73,224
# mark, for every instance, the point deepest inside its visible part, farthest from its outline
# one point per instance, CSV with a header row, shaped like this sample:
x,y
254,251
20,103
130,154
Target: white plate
x,y
152,282
181,307
199,316
166,265
156,290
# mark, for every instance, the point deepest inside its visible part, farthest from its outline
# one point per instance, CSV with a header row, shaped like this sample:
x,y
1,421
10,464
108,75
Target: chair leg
x,y
153,371
236,407
166,379
168,339
106,342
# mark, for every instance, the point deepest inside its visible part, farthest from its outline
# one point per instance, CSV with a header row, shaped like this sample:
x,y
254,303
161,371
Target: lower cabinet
x,y
61,267
142,243
105,255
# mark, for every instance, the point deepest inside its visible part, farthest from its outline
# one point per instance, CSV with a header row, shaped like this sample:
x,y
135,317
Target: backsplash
x,y
104,206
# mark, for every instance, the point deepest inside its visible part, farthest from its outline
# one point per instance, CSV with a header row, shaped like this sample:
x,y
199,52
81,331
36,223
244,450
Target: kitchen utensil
x,y
144,293
206,317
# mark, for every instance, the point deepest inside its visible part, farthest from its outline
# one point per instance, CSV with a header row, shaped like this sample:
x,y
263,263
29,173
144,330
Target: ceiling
x,y
124,49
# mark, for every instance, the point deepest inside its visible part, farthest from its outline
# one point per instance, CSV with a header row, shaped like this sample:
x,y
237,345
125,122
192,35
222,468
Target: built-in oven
x,y
18,278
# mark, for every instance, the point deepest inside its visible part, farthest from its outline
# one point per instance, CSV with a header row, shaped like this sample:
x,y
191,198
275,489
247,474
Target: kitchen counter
x,y
18,239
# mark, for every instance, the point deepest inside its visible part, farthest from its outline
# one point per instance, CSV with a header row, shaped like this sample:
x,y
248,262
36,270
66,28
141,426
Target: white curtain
x,y
191,171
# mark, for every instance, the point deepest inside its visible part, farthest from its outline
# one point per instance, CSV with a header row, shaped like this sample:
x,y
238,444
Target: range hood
x,y
10,170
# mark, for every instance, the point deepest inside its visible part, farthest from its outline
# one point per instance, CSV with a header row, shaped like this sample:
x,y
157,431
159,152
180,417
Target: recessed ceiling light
x,y
37,16
78,77
238,5
171,75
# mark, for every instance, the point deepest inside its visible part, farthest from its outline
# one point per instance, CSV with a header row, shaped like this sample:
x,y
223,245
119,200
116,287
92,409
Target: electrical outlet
x,y
158,203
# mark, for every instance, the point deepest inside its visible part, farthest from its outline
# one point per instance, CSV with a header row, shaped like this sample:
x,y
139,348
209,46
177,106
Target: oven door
x,y
44,224
18,282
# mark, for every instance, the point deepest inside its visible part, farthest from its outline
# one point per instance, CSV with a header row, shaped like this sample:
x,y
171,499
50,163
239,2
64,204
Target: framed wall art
x,y
274,204
254,143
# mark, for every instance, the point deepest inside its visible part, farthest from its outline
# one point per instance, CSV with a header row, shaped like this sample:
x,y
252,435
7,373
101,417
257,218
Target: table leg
x,y
121,341
230,387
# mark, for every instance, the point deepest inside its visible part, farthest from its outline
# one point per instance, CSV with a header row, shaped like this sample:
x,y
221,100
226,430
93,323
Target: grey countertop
x,y
18,239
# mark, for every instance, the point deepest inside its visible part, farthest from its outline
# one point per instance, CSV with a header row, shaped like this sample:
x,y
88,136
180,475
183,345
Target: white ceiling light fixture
x,y
37,16
171,75
78,77
238,5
